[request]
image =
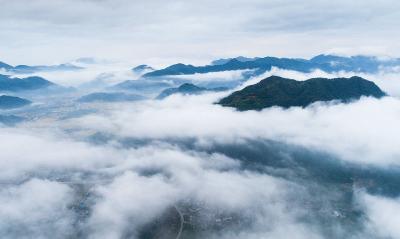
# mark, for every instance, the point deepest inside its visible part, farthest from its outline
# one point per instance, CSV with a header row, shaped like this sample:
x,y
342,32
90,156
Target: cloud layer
x,y
364,131
192,30
255,174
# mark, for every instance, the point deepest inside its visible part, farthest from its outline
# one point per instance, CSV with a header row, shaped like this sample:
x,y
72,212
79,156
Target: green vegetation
x,y
278,91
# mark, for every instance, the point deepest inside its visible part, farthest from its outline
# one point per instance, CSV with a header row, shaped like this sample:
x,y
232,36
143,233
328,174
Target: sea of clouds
x,y
277,172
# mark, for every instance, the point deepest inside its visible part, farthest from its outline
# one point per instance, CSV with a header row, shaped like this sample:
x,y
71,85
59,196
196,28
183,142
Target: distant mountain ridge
x,y
283,92
239,58
142,69
8,83
327,63
187,89
11,120
25,69
5,66
10,102
142,86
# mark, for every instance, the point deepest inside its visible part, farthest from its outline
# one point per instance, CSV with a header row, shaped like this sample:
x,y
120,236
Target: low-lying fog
x,y
108,170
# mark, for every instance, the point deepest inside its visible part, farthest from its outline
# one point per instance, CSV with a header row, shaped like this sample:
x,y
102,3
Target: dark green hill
x,y
278,91
187,89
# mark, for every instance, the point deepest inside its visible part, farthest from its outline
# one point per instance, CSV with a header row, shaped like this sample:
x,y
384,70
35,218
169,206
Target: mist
x,y
113,172
98,154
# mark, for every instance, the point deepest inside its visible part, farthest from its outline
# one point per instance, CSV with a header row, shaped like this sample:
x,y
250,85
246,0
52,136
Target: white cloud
x,y
35,209
94,76
364,131
45,154
214,76
130,187
129,202
381,213
198,32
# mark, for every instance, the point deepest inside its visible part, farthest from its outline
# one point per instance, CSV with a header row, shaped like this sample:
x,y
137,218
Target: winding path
x,y
182,220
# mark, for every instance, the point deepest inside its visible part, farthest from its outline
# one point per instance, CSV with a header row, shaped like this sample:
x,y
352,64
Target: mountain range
x,y
283,92
25,69
327,63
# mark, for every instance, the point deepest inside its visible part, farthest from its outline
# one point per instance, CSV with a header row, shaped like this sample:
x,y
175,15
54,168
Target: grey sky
x,y
163,32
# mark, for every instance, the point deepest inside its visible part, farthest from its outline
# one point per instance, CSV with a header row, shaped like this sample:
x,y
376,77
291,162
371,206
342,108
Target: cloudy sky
x,y
107,170
164,32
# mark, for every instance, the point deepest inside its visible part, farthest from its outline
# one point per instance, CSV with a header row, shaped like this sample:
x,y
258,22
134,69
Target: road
x,y
182,221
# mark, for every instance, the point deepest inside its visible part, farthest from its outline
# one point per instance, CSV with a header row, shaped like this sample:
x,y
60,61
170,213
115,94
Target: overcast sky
x,y
164,32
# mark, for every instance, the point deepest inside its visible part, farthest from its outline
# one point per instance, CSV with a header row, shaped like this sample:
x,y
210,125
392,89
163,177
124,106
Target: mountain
x,y
177,69
5,66
187,89
142,69
109,97
366,64
182,69
25,69
226,60
142,85
10,102
278,91
263,64
11,120
328,63
8,83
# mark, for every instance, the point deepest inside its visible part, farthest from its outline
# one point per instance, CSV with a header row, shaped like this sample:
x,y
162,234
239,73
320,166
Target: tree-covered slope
x,y
278,91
